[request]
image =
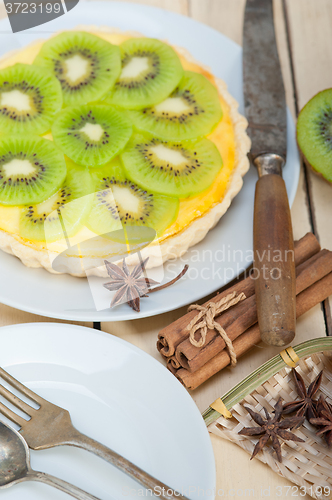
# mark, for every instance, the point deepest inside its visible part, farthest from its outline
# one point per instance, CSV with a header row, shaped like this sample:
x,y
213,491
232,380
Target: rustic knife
x,y
265,108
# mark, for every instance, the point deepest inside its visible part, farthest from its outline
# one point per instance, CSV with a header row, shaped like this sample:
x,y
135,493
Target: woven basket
x,y
308,464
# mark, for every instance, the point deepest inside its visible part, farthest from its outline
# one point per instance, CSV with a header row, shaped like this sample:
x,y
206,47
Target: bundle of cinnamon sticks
x,y
194,365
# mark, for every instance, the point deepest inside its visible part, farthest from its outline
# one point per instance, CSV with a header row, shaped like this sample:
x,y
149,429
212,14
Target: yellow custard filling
x,y
190,208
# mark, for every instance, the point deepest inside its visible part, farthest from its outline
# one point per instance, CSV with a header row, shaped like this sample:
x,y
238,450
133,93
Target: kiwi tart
x,y
118,130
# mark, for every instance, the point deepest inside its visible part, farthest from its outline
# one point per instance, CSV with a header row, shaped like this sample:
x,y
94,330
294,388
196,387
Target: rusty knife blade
x,y
264,93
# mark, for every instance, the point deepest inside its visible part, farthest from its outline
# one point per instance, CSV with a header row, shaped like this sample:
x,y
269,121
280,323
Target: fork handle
x,y
158,488
61,485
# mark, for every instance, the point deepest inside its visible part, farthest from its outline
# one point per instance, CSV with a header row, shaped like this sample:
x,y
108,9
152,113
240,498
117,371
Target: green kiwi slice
x,y
86,66
179,169
314,133
64,213
29,99
119,202
31,169
191,111
150,72
91,135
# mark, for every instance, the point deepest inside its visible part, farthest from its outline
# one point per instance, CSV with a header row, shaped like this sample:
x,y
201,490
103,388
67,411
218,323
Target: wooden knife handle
x,y
274,262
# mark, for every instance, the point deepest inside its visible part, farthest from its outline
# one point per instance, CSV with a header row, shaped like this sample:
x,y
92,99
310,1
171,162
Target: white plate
x,y
70,298
116,394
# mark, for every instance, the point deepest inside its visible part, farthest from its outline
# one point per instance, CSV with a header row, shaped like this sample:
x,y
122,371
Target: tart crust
x,y
171,247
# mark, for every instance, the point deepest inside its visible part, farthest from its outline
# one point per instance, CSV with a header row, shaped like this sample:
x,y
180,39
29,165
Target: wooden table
x,y
305,45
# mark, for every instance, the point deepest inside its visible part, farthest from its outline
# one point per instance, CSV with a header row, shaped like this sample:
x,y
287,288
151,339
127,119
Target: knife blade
x,y
265,109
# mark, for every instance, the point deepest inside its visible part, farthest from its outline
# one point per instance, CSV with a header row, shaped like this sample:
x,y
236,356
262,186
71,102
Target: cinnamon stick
x,y
234,321
173,365
305,247
171,336
244,315
307,299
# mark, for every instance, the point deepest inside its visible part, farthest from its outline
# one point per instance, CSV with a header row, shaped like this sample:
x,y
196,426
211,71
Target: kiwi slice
x,y
314,133
31,169
179,169
119,202
191,111
86,66
29,99
150,72
64,213
91,135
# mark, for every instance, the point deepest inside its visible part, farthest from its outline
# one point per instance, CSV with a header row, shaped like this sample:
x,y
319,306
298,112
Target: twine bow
x,y
205,320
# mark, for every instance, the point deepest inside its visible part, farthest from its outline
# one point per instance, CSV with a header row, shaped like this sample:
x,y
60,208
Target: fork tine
x,y
16,401
20,387
12,416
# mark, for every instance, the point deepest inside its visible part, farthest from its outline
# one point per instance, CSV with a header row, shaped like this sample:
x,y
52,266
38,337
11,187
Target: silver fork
x,y
51,426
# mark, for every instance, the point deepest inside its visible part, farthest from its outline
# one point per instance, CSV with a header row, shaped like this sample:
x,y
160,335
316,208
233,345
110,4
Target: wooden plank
x,y
311,42
2,10
179,6
143,332
310,31
227,17
222,15
11,316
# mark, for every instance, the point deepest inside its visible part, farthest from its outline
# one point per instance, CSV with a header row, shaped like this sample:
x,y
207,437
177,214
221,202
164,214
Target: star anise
x,y
306,405
272,428
131,286
324,420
